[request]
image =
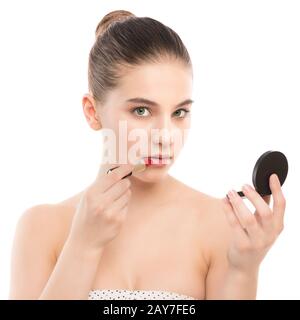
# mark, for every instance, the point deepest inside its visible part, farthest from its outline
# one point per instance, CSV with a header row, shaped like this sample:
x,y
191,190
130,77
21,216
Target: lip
x,y
159,156
157,161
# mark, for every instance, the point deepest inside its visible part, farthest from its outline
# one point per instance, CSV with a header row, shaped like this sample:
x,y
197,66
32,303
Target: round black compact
x,y
268,163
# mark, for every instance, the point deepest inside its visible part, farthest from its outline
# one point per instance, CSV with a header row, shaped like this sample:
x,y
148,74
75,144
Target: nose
x,y
162,131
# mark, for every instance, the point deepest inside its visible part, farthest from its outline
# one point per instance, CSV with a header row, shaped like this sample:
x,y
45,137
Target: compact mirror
x,y
268,163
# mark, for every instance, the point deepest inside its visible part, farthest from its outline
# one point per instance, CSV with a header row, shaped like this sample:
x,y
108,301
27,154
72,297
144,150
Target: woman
x,y
148,235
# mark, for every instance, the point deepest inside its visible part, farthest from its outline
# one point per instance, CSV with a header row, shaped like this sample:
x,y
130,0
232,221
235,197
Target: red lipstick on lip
x,y
147,161
158,161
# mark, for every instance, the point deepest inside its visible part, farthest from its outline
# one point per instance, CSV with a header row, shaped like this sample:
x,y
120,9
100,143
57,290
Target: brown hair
x,y
124,40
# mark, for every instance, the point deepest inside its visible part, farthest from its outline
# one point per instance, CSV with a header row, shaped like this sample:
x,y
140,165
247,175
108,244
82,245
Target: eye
x,y
178,112
140,111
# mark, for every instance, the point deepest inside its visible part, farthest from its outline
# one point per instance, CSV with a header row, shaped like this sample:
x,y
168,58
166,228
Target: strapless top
x,y
125,294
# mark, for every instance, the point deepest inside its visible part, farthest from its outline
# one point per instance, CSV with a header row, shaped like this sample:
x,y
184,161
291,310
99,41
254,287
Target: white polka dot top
x,y
124,294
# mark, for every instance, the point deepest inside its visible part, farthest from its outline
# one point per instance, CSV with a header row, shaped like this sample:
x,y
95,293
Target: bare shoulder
x,y
39,235
46,224
36,219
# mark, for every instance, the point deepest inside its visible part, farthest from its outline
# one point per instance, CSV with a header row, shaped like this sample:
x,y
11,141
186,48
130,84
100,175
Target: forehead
x,y
164,82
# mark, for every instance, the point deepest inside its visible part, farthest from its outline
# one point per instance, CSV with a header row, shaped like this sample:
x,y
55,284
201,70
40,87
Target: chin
x,y
153,175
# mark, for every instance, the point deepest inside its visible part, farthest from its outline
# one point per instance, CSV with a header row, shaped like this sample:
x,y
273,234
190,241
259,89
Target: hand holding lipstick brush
x,y
139,167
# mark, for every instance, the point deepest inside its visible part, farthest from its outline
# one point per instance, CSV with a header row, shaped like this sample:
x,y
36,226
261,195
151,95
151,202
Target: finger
x,y
230,215
104,182
120,203
263,211
233,220
279,202
267,199
117,190
245,216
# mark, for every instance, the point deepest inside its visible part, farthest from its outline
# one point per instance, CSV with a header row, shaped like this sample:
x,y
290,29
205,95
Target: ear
x,y
90,111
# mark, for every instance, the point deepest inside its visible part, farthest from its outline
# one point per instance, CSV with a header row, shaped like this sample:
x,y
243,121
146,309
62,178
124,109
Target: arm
x,y
98,219
35,273
73,275
225,282
239,250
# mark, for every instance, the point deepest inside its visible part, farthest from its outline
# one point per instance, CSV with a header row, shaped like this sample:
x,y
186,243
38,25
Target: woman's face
x,y
149,115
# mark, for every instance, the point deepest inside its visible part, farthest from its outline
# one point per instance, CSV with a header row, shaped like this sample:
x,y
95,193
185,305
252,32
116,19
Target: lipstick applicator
x,y
139,167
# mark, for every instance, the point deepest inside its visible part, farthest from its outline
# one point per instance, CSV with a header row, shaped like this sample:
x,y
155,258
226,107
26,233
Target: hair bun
x,y
116,15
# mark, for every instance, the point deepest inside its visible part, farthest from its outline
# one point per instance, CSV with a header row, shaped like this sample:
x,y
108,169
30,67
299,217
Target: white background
x,y
247,99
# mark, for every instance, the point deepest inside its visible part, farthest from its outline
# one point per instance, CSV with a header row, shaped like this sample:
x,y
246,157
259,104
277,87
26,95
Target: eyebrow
x,y
155,104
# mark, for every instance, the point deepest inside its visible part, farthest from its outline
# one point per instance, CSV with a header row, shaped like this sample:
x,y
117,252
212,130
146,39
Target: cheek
x,y
138,138
184,129
132,138
184,123
110,121
138,131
